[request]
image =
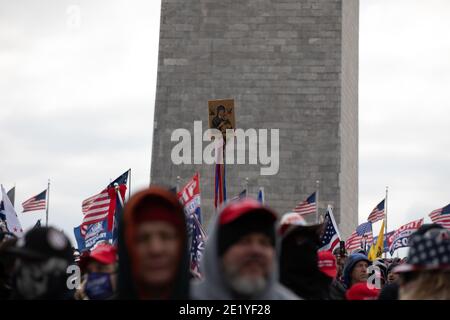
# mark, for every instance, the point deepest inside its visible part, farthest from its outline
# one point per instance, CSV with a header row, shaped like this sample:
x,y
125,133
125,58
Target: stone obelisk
x,y
290,65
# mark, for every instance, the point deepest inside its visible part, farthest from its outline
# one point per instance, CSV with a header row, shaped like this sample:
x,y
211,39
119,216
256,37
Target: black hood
x,y
299,269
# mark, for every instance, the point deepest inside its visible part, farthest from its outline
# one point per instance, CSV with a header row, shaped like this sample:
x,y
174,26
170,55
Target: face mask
x,y
98,286
37,280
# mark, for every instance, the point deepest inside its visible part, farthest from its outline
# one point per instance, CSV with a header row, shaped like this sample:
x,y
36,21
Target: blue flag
x,y
79,238
96,232
120,180
261,197
118,213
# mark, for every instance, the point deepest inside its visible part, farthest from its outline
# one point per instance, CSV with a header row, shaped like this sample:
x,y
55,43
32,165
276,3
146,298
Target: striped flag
x,y
330,238
441,216
360,238
102,205
377,213
197,246
189,196
38,202
308,206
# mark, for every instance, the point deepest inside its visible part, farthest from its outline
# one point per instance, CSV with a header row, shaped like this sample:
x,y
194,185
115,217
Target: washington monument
x,y
290,65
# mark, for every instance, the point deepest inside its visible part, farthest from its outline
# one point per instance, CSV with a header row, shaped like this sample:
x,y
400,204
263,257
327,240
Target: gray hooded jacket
x,y
213,286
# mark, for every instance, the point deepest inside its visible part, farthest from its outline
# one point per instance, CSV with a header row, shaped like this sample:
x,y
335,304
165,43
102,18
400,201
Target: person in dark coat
x,y
43,257
299,269
152,247
240,258
7,263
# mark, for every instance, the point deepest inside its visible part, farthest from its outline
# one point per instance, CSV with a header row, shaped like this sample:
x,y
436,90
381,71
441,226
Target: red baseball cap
x,y
360,291
237,209
327,263
104,253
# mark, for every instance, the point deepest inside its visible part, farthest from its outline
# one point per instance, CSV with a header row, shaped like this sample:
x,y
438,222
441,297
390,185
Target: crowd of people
x,y
250,254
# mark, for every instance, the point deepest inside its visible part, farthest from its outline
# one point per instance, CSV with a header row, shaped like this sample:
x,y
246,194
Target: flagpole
x,y
178,183
246,186
263,196
48,203
385,217
117,189
317,201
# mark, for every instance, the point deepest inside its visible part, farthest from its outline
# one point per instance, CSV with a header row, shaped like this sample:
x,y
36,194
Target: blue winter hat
x,y
352,260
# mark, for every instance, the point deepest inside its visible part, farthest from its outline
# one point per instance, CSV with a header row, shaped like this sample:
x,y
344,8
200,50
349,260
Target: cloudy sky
x,y
77,91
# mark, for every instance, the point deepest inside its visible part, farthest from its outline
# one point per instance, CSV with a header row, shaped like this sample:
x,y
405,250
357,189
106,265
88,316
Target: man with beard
x,y
240,261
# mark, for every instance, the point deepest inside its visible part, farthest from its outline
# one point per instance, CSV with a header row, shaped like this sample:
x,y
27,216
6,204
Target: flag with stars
x,y
360,238
38,202
197,247
441,216
12,221
308,206
377,213
330,238
103,205
189,196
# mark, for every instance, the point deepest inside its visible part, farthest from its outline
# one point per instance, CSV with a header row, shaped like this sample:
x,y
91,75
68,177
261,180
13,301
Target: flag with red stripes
x,y
308,206
377,213
330,237
102,205
38,202
360,238
441,216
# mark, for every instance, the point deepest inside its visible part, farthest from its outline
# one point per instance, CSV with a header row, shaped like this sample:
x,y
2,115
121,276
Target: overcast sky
x,y
77,91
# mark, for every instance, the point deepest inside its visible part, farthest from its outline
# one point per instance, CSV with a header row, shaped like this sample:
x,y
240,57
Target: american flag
x,y
377,213
35,203
197,246
360,238
242,195
189,196
308,206
101,205
441,216
330,237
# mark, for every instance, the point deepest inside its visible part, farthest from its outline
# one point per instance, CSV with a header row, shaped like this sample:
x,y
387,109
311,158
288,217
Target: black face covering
x,y
41,279
299,269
